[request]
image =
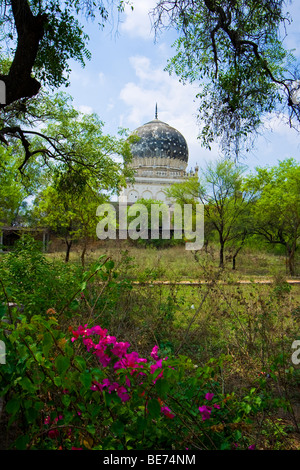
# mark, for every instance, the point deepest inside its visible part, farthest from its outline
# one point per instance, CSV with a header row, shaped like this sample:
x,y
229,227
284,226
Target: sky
x,y
125,78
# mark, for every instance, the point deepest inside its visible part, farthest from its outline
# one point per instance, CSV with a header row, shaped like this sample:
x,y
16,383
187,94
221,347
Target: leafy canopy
x,y
233,50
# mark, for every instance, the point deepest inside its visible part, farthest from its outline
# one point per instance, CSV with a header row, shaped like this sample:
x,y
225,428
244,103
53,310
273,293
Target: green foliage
x,y
234,52
12,191
53,382
48,382
32,282
226,202
63,39
276,212
146,240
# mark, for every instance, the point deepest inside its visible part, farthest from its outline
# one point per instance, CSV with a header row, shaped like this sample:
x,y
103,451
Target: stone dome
x,y
158,139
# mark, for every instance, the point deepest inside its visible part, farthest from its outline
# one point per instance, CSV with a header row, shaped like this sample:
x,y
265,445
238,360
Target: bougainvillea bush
x,y
85,389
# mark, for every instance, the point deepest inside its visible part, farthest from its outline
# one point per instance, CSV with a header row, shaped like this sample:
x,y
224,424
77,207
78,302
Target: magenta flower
x,y
96,386
209,396
104,359
97,330
130,361
53,433
88,343
154,353
167,412
205,412
47,420
120,349
252,447
122,393
158,365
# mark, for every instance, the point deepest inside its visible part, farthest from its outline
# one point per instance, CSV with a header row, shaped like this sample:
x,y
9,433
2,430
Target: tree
x,y
276,211
150,220
41,37
68,207
13,192
52,133
226,203
233,50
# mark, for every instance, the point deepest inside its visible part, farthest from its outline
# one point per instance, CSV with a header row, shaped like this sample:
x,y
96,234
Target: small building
x,y
10,234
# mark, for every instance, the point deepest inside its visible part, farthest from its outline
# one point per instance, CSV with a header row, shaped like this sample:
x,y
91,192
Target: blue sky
x,y
125,79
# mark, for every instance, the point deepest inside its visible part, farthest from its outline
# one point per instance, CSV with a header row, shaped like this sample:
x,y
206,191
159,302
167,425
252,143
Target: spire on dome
x,y
156,111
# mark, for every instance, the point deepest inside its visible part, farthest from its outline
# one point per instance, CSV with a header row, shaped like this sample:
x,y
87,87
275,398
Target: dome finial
x,y
156,111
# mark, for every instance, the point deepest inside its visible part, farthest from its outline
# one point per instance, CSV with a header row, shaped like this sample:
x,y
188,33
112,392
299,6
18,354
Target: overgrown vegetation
x,y
94,361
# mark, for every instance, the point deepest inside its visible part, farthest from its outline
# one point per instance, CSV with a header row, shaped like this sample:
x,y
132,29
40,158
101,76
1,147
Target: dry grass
x,y
177,263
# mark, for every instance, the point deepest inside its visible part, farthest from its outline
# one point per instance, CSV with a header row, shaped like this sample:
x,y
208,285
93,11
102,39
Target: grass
x,y
177,263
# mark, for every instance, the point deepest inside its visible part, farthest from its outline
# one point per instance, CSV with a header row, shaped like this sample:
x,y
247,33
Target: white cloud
x,y
85,109
101,77
176,104
137,22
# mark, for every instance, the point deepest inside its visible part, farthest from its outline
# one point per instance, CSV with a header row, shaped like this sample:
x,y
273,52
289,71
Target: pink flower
x,y
122,393
205,412
96,386
53,433
252,447
167,412
88,343
127,381
154,353
153,367
97,330
47,420
120,349
131,361
104,359
209,396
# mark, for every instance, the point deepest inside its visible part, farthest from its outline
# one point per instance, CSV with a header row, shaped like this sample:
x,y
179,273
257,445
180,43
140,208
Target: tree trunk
x,y
237,251
291,259
221,265
30,30
69,244
83,255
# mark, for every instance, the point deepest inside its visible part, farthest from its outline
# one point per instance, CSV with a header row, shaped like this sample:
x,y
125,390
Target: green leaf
x,y
21,442
225,446
118,428
91,429
80,362
153,408
141,424
47,343
13,406
57,381
66,400
27,385
86,379
62,363
162,387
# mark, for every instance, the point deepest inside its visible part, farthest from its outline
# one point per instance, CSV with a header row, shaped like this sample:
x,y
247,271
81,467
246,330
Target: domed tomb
x,y
160,157
158,140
